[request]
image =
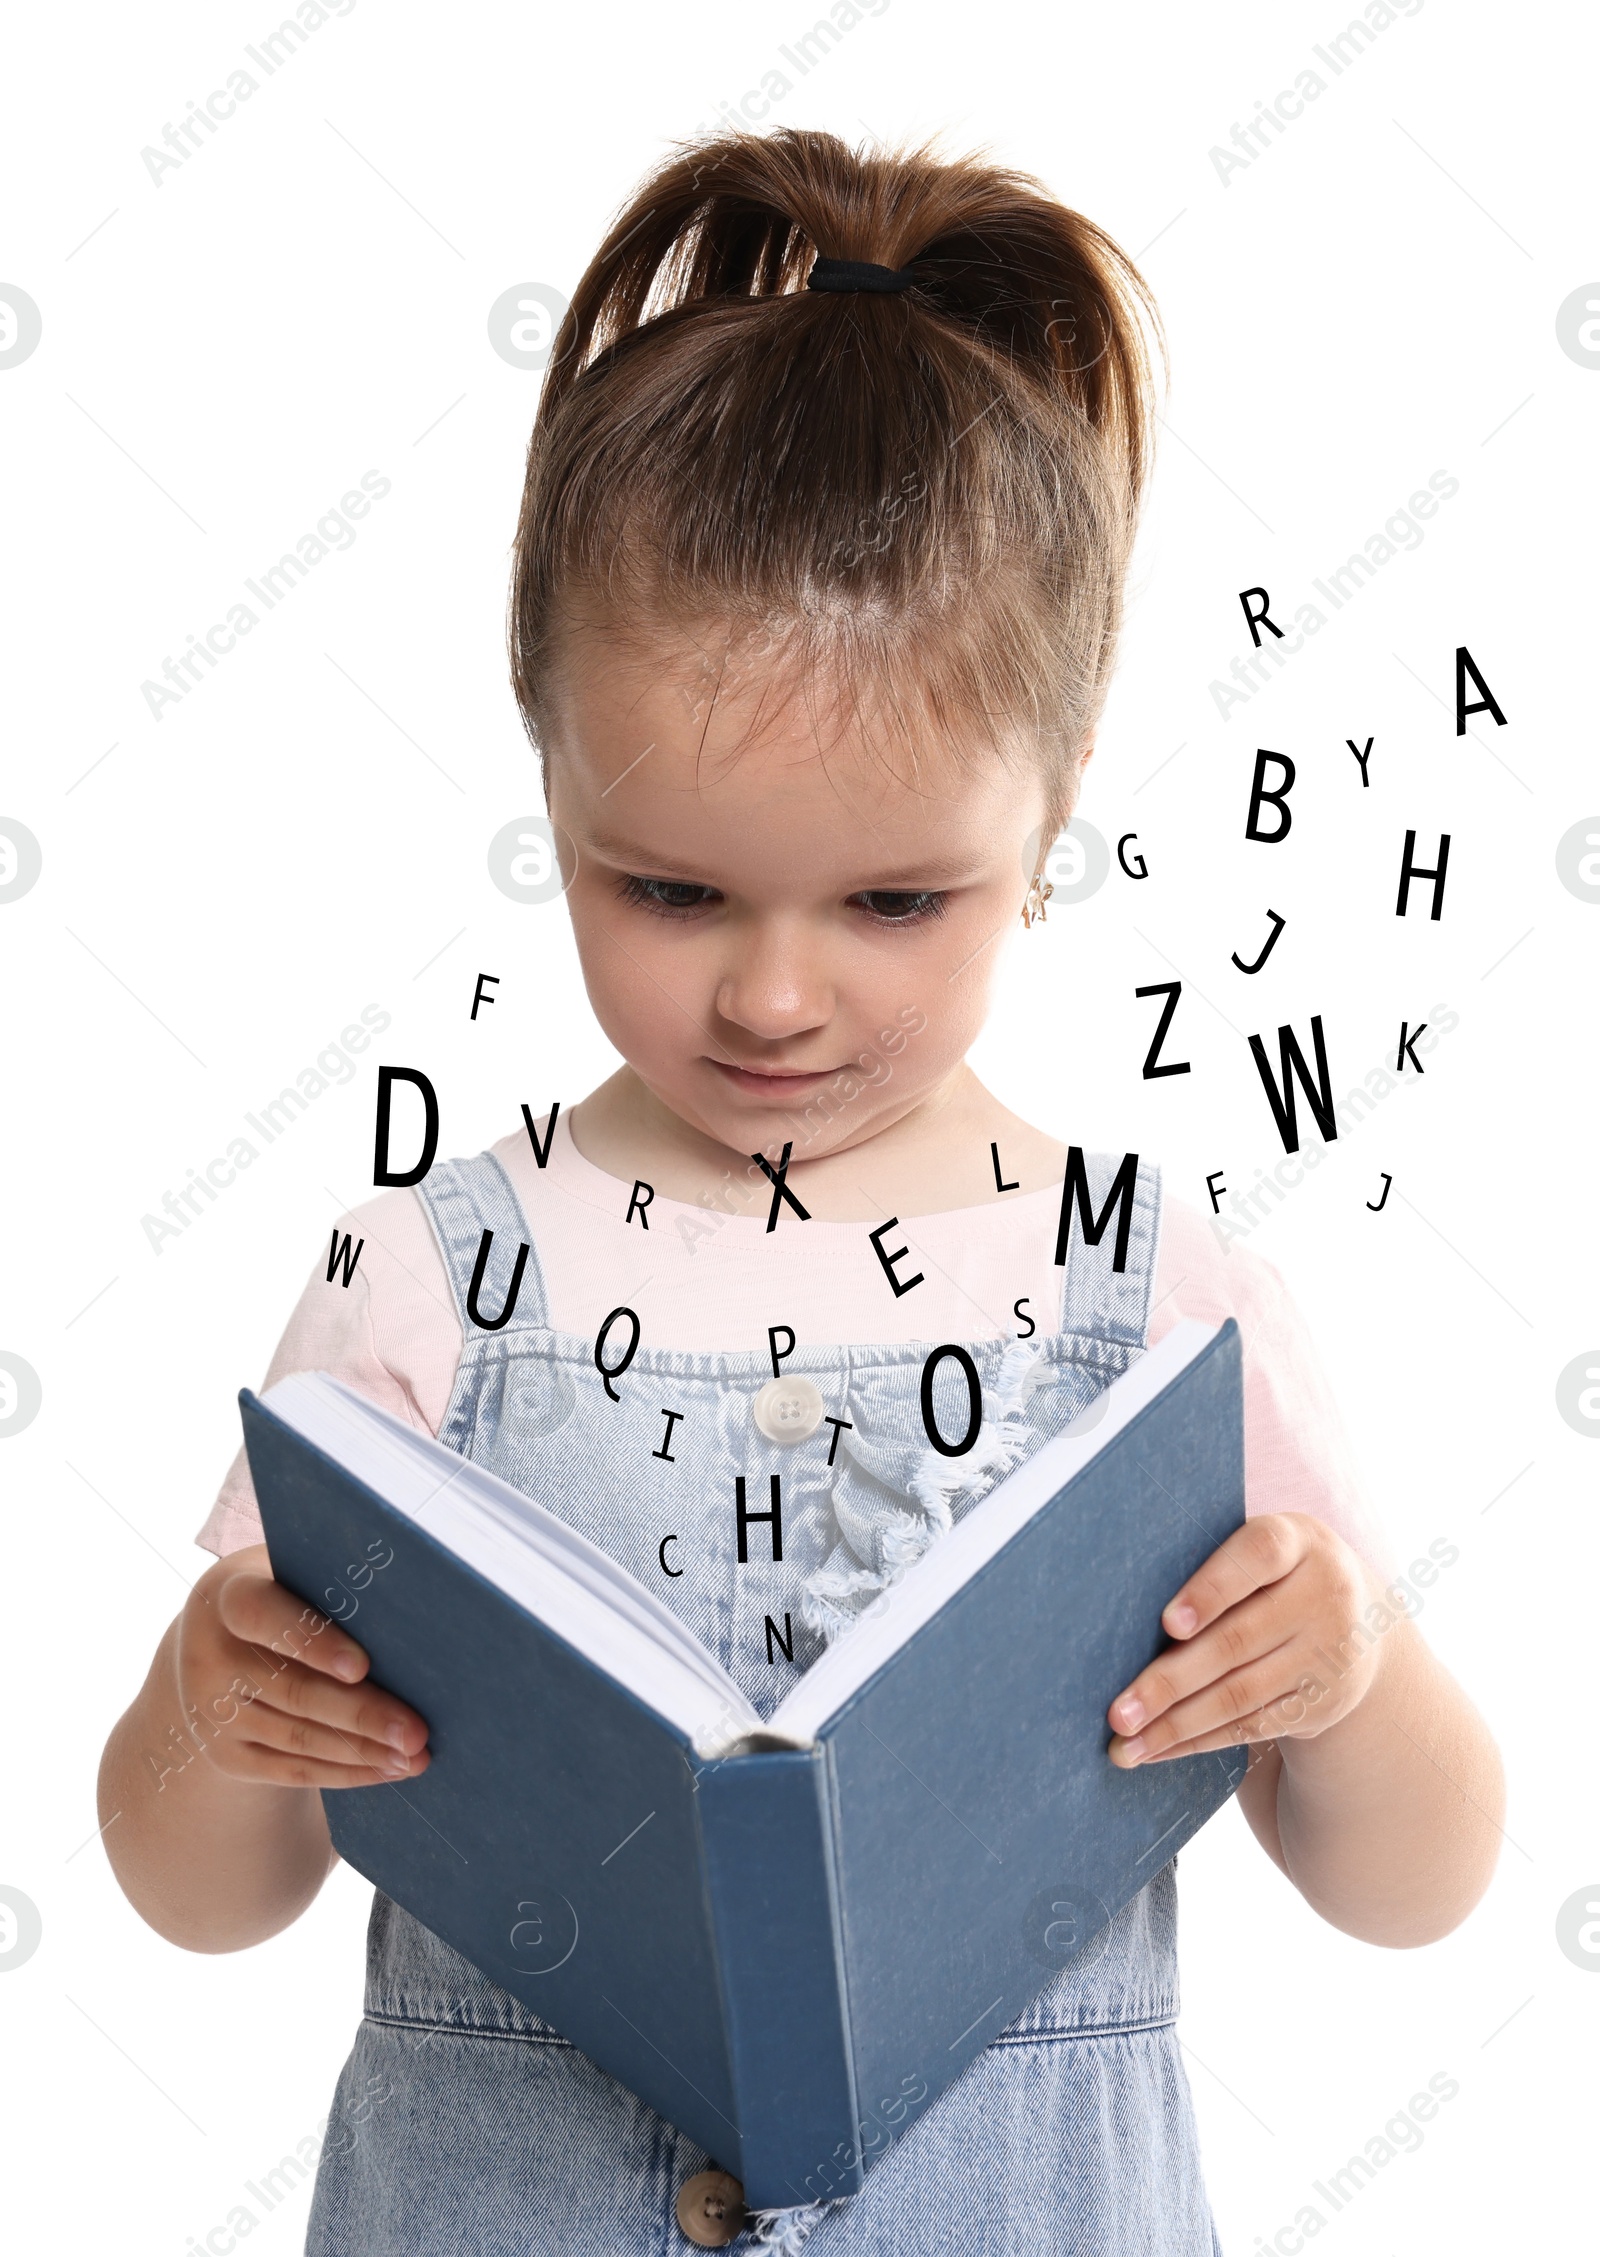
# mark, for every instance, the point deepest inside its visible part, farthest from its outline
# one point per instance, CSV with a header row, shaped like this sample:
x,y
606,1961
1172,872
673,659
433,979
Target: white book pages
x,y
530,1553
956,1557
580,1592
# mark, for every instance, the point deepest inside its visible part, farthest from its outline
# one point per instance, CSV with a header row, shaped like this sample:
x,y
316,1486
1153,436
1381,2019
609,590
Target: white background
x,y
1371,300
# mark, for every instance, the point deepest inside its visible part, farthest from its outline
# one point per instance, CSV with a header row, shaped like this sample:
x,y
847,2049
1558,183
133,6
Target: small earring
x,y
1038,894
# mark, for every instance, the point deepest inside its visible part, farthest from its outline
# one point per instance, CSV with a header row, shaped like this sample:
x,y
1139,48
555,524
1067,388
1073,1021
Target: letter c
x,y
219,2249
221,1182
1289,1182
221,649
1288,95
1287,2248
212,100
1142,871
745,109
661,1555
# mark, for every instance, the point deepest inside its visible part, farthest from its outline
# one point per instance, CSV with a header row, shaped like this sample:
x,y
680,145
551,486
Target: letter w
x,y
339,1254
1291,1060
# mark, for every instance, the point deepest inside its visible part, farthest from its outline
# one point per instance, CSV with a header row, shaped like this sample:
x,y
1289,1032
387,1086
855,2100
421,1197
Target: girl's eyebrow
x,y
633,856
630,854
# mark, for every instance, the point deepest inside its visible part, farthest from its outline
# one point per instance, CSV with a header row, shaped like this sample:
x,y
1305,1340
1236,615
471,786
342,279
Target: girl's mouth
x,y
781,1084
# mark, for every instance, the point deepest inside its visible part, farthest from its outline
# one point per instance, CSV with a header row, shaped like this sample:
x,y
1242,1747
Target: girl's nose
x,y
774,984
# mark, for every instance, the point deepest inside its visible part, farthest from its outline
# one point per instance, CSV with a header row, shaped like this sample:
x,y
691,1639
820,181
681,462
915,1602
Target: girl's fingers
x,y
275,1767
1259,1553
263,1613
269,1731
1245,1634
1250,1730
365,1712
1217,1710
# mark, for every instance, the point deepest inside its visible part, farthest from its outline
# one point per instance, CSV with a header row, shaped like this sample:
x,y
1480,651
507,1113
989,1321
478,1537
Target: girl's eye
x,y
666,897
901,908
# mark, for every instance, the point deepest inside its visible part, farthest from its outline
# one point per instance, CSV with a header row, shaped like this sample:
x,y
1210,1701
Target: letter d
x,y
382,1173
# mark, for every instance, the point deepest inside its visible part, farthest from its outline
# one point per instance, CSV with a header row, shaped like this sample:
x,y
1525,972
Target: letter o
x,y
974,1402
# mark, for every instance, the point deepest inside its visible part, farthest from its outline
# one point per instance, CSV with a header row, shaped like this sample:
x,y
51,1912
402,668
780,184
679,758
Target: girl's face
x,y
785,944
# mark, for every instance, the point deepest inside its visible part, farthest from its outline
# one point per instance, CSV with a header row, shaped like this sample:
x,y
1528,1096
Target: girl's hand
x,y
1264,1648
272,1689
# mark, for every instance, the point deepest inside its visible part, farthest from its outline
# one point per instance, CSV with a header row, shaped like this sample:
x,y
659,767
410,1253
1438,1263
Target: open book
x,y
935,1771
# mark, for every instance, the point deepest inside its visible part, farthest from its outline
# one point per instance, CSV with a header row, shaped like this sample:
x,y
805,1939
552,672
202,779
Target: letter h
x,y
747,1520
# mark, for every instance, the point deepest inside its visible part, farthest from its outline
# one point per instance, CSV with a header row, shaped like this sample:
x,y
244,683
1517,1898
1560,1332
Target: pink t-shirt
x,y
703,1281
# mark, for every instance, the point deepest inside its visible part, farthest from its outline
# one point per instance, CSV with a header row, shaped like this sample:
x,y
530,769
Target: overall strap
x,y
462,1199
1097,1300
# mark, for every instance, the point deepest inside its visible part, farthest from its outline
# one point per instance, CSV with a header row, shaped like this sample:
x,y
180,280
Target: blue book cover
x,y
775,1946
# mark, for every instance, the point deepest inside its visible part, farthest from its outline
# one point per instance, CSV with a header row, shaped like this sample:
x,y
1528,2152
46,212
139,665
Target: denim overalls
x,y
464,2123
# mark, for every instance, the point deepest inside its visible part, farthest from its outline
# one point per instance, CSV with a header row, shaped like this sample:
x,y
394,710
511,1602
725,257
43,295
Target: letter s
x,y
377,486
1439,2080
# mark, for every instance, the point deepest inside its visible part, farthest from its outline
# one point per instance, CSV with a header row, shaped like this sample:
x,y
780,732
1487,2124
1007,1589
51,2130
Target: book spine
x,y
764,1830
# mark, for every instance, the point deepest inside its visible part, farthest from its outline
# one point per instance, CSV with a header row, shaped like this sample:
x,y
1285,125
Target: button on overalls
x,y
462,2121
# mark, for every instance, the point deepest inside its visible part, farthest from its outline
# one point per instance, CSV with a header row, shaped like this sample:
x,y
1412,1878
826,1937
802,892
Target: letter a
x,y
1485,704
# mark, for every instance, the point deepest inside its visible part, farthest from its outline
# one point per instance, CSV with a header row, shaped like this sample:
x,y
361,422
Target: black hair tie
x,y
857,274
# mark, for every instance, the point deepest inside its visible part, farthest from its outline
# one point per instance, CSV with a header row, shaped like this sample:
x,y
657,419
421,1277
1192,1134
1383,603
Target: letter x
x,y
781,1189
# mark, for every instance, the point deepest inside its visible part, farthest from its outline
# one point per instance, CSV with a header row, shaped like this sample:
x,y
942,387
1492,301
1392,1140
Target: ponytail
x,y
940,483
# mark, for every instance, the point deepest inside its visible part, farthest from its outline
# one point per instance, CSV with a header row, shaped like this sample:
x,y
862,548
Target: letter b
x,y
1279,798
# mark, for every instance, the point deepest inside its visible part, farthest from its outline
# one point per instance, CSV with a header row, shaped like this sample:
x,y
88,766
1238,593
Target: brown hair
x,y
933,493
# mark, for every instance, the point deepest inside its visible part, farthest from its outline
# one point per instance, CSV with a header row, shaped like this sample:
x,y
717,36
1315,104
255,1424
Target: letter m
x,y
276,1116
1357,32
1341,2182
823,31
276,46
1291,1062
1075,1196
1345,580
276,581
274,2183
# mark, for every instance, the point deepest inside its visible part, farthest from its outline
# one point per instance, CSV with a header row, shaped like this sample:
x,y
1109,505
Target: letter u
x,y
494,1324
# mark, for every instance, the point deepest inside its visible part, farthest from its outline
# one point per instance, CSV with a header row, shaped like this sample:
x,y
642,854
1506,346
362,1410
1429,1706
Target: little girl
x,y
818,581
